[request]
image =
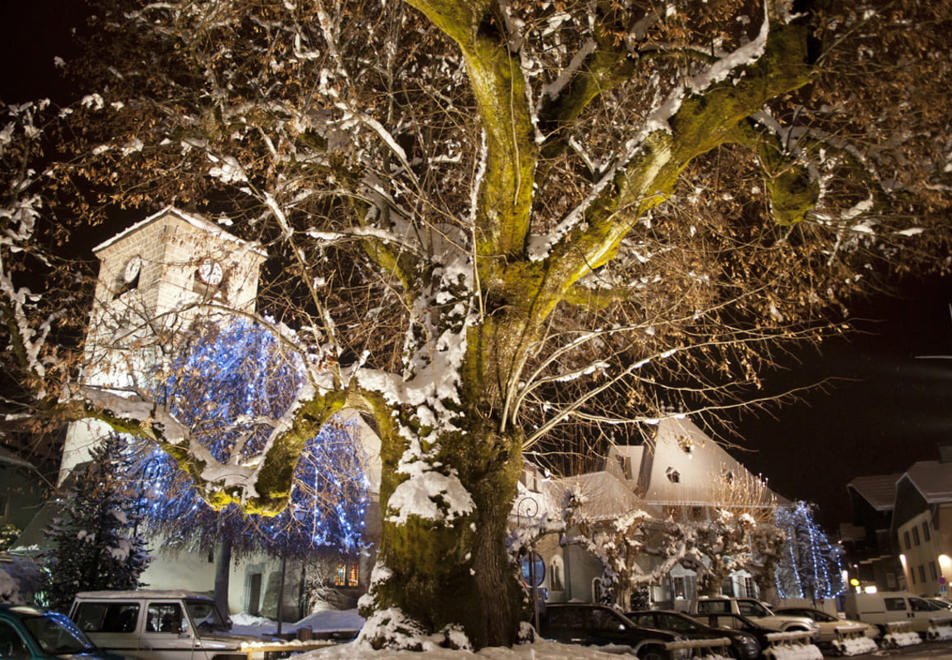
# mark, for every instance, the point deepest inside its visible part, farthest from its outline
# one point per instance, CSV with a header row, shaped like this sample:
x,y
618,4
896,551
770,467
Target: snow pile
x,y
855,645
896,639
939,629
791,646
793,652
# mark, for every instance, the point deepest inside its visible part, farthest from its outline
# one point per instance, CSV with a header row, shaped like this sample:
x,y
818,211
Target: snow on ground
x,y
540,650
322,621
342,620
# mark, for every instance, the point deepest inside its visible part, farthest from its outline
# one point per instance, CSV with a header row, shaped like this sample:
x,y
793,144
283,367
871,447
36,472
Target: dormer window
x,y
686,445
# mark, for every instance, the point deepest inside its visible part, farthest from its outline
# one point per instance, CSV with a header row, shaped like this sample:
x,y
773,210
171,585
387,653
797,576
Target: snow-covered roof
x,y
604,494
683,466
194,220
932,479
878,490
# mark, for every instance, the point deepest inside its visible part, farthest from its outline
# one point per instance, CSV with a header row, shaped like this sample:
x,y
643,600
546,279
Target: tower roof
x,y
192,219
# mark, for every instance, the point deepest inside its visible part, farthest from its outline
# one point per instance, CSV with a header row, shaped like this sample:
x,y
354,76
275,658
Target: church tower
x,y
155,279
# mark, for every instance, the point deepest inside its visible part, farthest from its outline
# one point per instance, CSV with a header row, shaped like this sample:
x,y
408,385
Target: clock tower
x,y
155,279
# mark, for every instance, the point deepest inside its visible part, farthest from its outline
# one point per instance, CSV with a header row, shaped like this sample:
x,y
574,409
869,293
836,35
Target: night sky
x,y
889,414
888,408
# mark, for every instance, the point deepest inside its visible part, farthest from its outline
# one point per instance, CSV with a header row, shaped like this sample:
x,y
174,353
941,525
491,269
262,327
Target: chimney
x,y
945,451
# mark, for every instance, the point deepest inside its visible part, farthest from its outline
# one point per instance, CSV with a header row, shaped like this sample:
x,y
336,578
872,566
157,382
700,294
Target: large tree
x,y
499,227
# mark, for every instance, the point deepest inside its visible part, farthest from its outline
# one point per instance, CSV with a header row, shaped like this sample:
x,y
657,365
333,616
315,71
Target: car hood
x,y
781,619
226,640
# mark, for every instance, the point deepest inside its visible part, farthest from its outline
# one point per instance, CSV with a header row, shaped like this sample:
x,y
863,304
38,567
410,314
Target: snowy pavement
x,y
328,621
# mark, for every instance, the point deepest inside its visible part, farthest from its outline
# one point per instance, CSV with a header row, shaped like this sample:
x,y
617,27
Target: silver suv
x,y
157,625
756,612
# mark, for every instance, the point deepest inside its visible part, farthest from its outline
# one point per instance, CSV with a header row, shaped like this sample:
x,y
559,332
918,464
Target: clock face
x,y
132,269
211,272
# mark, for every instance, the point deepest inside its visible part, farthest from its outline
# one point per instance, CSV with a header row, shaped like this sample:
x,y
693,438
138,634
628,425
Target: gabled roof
x,y
932,479
605,496
194,220
689,468
878,490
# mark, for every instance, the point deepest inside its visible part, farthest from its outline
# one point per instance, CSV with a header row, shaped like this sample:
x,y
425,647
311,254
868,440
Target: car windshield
x,y
679,623
205,616
56,634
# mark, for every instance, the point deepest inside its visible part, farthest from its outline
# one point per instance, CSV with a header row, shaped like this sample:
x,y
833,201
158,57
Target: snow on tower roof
x,y
878,490
194,220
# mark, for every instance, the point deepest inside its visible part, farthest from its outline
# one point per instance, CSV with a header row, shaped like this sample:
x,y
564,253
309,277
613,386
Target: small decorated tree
x,y
809,565
95,542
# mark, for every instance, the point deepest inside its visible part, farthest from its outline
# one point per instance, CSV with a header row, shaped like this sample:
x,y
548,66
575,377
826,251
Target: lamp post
x,y
528,508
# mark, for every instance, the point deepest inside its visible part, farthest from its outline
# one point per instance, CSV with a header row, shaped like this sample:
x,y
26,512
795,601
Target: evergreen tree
x,y
95,542
809,565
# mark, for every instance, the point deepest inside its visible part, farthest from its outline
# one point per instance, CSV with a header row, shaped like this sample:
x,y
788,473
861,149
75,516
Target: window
x,y
919,605
922,573
673,475
925,531
11,644
556,572
752,608
933,573
915,535
713,607
347,575
165,618
678,584
107,617
905,537
605,620
750,587
568,618
895,604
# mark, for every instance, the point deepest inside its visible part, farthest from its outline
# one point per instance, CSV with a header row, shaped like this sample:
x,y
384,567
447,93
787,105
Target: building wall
x,y
166,296
925,550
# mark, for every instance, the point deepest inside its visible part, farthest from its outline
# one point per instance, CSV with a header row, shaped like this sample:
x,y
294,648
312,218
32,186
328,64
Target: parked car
x,y
756,611
29,633
826,621
737,622
941,602
885,607
158,625
744,645
597,625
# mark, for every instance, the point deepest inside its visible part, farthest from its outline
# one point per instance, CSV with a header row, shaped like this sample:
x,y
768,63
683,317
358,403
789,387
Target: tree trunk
x,y
458,574
222,574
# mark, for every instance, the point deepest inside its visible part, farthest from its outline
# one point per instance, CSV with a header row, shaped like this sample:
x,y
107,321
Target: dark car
x,y
744,645
32,634
597,625
736,622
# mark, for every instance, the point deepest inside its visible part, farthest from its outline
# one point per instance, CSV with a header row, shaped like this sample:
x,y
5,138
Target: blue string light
x,y
234,378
